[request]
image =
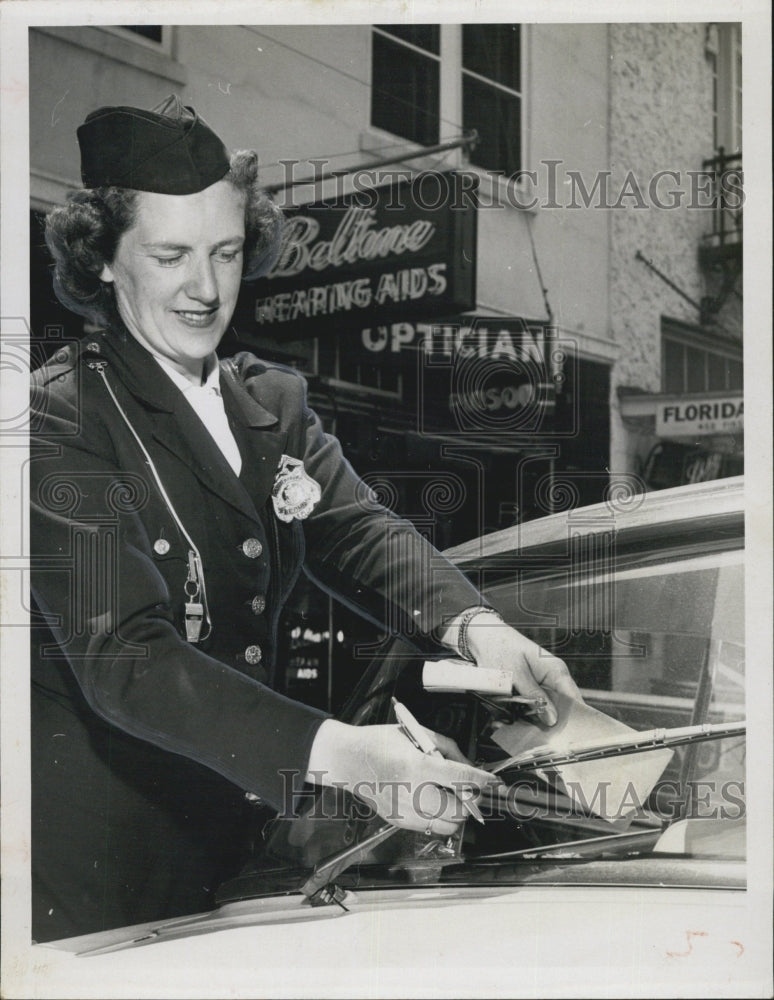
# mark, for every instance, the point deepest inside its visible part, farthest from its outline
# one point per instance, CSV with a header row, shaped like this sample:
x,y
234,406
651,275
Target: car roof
x,y
683,511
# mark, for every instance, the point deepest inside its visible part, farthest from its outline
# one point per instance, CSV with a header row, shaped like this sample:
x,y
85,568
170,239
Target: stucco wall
x,y
660,119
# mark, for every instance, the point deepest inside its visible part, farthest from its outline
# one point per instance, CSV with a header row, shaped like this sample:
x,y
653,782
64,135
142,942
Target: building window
x,y
724,53
737,57
711,49
482,86
689,364
406,74
151,36
491,94
153,32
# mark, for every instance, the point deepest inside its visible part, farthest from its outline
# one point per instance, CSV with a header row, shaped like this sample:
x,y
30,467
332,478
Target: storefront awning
x,y
508,269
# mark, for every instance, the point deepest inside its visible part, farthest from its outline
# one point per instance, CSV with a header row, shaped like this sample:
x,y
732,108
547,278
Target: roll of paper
x,y
461,675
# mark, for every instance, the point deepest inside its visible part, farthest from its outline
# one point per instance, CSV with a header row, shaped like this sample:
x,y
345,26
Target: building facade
x,y
496,306
676,264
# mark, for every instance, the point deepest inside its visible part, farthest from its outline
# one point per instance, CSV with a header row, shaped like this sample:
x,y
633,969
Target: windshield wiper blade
x,y
652,739
631,840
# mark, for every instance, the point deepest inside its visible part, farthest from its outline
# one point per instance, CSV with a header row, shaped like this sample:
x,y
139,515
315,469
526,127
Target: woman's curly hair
x,y
83,236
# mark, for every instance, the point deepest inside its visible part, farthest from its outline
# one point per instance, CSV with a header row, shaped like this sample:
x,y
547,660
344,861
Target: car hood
x,y
425,940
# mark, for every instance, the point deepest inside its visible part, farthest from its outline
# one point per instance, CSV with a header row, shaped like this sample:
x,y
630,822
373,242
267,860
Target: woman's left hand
x,y
536,672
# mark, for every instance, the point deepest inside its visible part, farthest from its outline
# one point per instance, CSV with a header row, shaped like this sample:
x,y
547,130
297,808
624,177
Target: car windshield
x,y
655,642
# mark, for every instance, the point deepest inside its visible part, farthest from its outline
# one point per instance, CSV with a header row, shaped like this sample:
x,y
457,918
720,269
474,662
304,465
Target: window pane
x,y
497,118
713,61
735,370
639,640
405,92
738,94
673,375
425,36
716,371
151,31
493,51
371,374
696,376
389,379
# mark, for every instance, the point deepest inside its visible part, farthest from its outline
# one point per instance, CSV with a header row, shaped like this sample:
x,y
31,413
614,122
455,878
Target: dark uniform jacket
x,y
144,743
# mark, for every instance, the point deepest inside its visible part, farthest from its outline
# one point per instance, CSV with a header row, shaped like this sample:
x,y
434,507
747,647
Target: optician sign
x,y
475,374
686,416
367,256
483,337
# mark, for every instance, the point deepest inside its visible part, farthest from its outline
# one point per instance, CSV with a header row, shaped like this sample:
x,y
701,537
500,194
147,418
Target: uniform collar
x,y
210,371
147,379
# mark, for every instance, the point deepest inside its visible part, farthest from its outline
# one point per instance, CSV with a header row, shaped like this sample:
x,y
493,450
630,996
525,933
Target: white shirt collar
x,y
211,370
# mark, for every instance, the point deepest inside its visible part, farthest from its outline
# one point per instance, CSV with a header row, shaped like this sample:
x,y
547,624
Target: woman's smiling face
x,y
177,270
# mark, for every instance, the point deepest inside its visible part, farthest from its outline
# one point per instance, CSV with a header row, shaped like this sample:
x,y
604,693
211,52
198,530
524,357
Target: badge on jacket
x,y
294,494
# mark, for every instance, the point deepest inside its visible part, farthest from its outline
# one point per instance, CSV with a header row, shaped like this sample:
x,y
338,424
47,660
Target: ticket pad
x,y
612,787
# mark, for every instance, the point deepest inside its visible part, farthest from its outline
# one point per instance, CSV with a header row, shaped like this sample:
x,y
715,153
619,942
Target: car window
x,y
638,638
653,643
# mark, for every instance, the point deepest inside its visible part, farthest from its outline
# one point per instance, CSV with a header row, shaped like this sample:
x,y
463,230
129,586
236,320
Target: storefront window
x,y
690,366
696,374
717,374
673,363
338,361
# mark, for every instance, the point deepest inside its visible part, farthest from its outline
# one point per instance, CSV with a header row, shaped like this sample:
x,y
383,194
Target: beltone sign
x,y
690,417
367,257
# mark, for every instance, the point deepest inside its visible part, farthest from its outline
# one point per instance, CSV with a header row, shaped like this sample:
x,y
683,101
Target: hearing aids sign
x,y
372,253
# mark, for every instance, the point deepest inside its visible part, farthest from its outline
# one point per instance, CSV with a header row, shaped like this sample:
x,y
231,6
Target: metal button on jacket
x,y
253,655
161,546
258,604
252,548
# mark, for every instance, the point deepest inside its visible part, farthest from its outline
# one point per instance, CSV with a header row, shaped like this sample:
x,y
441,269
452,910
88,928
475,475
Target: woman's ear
x,y
106,274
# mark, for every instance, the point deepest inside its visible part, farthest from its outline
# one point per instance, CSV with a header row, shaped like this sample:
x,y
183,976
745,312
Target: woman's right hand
x,y
406,787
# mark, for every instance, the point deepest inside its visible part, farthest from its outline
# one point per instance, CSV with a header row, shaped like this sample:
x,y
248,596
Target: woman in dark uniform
x,y
174,501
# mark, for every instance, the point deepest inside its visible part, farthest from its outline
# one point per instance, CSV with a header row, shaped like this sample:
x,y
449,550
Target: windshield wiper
x,y
629,840
652,739
320,888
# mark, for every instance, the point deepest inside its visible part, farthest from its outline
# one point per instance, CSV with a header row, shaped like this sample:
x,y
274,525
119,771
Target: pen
x,y
418,736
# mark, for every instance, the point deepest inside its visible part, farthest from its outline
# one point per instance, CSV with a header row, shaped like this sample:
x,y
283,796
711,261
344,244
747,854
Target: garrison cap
x,y
169,150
